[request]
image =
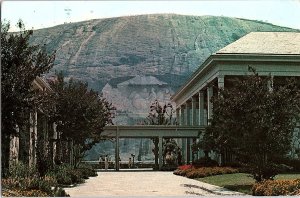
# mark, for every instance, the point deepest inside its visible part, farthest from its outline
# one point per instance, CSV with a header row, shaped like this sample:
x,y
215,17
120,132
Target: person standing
x,y
100,159
130,163
106,162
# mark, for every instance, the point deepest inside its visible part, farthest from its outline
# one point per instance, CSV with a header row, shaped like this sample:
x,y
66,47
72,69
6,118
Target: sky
x,y
42,14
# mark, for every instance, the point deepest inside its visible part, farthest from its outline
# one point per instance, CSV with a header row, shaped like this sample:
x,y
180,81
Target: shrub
x,y
288,164
25,181
21,170
87,171
65,175
194,172
276,187
269,171
205,162
75,175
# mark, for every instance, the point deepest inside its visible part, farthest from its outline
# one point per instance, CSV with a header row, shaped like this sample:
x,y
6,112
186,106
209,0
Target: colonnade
x,y
196,111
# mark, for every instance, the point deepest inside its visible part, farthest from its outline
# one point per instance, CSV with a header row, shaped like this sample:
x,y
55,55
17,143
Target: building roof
x,y
143,80
265,43
41,84
272,47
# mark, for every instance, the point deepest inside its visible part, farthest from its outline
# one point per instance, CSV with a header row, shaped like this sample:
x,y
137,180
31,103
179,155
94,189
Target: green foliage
x,y
205,162
254,122
67,175
80,114
21,170
25,181
61,173
87,171
170,151
160,114
21,63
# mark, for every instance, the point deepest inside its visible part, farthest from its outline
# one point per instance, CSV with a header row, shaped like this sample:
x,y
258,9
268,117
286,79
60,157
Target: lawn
x,y
240,182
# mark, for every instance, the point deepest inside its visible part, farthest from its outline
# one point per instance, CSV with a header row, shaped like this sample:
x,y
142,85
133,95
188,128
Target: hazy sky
x,y
40,14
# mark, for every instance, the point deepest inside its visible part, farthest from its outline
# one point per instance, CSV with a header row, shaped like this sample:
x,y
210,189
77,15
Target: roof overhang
x,y
41,85
217,58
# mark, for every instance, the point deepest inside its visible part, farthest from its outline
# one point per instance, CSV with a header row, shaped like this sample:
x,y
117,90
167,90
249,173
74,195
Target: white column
x,y
201,108
160,158
182,115
270,84
178,115
221,81
194,121
188,114
209,104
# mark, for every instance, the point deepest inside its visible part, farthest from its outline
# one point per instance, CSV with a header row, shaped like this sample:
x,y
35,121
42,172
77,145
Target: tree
x,y
80,114
255,122
21,63
159,115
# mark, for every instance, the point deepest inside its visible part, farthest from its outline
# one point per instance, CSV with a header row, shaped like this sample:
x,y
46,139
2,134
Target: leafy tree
x,y
21,63
170,151
80,114
159,115
255,122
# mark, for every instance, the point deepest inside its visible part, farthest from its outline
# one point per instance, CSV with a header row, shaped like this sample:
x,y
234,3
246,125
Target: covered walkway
x,y
147,131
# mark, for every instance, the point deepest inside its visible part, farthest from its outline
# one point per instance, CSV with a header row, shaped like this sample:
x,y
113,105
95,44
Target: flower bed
x,y
192,172
276,188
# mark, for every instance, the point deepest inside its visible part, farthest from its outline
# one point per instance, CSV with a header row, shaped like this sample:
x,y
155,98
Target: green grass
x,y
241,182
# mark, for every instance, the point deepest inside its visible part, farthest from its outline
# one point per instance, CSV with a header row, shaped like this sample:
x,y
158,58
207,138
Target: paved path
x,y
146,183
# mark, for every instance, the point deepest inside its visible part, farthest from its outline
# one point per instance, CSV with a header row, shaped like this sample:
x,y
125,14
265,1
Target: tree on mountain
x,y
254,120
21,63
80,114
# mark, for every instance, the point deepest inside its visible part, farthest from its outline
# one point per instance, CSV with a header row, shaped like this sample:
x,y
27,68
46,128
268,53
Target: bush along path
x,y
192,172
278,187
25,181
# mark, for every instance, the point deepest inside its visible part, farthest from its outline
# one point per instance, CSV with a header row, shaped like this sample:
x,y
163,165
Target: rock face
x,y
99,50
109,53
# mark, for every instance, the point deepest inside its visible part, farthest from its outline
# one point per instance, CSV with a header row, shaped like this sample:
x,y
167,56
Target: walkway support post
x,y
160,147
117,156
184,152
188,150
